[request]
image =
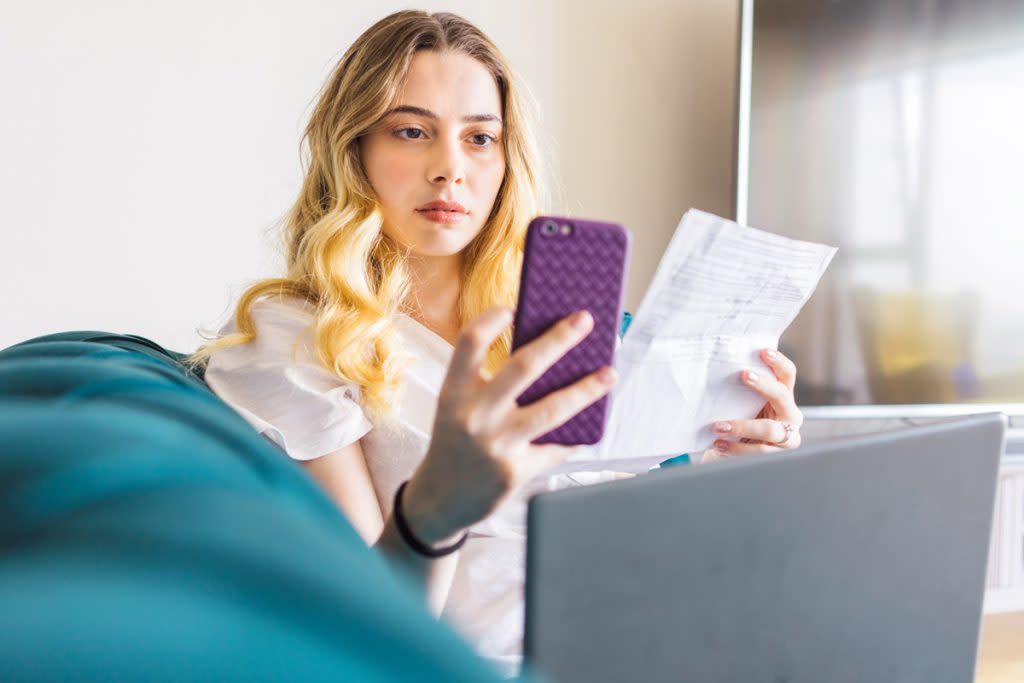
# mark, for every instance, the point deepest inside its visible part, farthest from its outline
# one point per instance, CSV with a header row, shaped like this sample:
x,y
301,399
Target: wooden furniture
x,y
1001,655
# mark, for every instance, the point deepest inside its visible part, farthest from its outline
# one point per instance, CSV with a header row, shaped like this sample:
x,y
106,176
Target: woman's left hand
x,y
777,426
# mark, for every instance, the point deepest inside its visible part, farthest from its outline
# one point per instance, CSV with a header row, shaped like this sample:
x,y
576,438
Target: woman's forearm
x,y
346,478
435,575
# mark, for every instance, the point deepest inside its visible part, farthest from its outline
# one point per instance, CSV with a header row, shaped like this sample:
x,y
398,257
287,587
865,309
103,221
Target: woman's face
x,y
437,159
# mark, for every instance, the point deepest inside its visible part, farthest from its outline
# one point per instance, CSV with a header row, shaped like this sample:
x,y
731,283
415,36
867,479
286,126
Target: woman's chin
x,y
437,249
444,242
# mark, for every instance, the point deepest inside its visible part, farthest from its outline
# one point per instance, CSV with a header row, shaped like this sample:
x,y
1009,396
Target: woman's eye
x,y
483,139
409,133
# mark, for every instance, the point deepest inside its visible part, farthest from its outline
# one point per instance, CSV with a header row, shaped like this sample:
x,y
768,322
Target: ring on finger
x,y
785,439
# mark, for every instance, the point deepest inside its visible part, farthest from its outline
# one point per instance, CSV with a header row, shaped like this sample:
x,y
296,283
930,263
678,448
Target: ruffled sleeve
x,y
279,386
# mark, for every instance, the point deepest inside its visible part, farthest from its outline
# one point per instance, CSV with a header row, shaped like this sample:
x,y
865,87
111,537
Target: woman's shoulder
x,y
283,334
277,383
286,312
281,360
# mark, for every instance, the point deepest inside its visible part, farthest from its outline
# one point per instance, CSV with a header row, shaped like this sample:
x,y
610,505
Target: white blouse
x,y
279,386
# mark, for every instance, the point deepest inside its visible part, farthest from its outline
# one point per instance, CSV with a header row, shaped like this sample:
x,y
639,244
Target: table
x,y
1001,654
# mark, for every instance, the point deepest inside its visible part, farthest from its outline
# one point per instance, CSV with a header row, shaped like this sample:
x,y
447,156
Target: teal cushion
x,y
147,532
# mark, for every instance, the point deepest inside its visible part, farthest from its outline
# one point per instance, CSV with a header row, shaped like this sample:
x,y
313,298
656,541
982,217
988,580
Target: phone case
x,y
564,273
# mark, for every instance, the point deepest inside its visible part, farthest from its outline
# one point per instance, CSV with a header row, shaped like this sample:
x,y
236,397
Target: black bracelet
x,y
416,544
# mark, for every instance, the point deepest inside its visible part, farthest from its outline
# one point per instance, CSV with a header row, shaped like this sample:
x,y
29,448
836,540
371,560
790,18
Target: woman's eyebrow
x,y
427,114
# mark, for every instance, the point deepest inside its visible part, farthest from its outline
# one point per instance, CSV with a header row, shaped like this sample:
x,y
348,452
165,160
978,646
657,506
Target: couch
x,y
147,532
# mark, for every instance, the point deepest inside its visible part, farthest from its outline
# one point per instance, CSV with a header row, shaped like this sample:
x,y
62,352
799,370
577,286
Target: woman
x,y
381,360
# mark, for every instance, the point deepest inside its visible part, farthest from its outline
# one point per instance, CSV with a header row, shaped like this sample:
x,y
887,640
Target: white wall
x,y
148,150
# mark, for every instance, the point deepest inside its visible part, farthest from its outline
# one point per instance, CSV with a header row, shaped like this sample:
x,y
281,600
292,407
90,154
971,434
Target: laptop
x,y
861,560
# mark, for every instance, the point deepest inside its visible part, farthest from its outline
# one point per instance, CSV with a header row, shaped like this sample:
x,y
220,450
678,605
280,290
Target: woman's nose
x,y
448,165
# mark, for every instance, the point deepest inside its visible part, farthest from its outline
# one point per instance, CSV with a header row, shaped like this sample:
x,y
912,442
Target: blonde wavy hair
x,y
338,258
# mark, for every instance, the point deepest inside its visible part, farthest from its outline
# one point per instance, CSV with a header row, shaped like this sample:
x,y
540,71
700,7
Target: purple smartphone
x,y
572,265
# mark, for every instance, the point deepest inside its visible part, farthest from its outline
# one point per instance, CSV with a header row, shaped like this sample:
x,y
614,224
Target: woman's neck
x,y
435,284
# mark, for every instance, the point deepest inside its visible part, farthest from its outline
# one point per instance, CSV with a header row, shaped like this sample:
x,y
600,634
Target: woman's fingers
x,y
556,408
541,459
783,368
779,395
777,426
472,345
771,432
532,360
726,449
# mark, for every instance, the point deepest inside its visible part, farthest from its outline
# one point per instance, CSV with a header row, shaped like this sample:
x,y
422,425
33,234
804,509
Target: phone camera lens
x,y
550,228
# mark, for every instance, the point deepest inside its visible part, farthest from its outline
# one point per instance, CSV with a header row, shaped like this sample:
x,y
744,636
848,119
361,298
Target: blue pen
x,y
683,459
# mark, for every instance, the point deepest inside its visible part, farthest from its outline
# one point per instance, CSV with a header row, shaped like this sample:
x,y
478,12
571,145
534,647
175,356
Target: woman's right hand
x,y
481,447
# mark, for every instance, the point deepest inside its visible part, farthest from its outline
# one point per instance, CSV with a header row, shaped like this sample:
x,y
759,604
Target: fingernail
x,y
770,354
722,446
752,376
606,376
581,320
721,427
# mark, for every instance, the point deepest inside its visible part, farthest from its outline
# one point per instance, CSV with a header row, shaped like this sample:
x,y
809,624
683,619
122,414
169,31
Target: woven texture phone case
x,y
584,270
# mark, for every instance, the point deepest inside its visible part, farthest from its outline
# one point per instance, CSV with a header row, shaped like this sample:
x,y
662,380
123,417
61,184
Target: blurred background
x,y
149,151
895,131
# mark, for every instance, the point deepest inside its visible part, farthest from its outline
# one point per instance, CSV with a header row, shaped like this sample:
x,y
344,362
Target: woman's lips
x,y
442,216
447,213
